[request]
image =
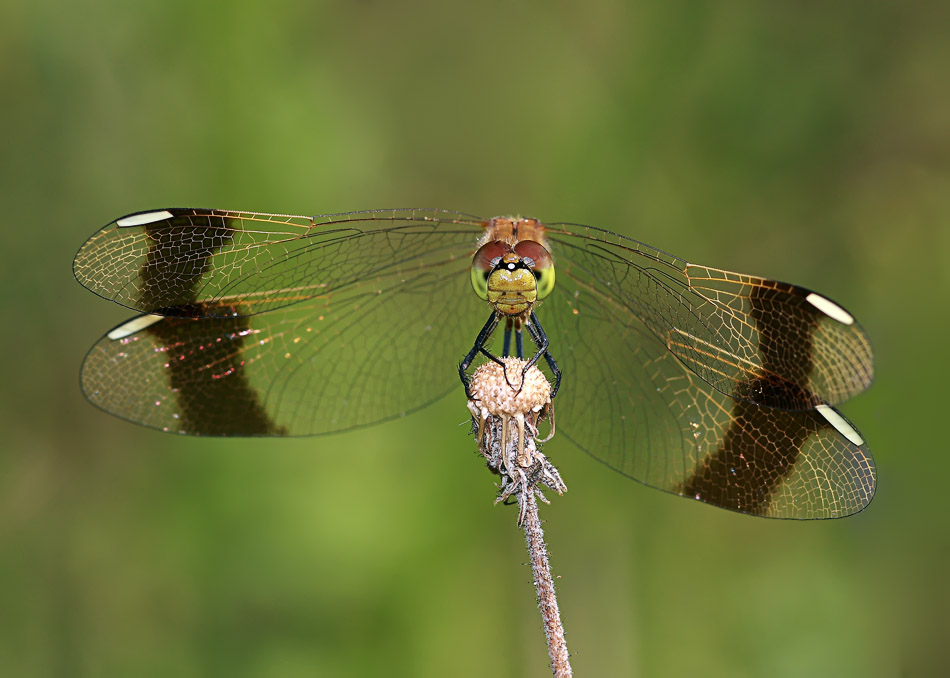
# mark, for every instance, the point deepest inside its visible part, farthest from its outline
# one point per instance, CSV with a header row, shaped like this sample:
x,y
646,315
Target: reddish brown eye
x,y
541,263
535,252
483,262
487,255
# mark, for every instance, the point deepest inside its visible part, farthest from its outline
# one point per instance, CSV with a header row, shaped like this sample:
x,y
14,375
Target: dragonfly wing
x,y
796,348
629,402
189,262
367,351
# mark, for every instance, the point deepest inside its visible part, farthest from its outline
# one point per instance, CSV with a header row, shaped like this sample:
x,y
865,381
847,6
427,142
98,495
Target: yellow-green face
x,y
512,279
512,289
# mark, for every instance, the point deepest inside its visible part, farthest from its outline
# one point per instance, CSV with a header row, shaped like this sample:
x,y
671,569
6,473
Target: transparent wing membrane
x,y
368,347
629,402
701,382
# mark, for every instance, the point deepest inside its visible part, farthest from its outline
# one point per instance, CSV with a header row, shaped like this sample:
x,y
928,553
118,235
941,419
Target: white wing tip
x,y
134,325
143,219
840,424
830,308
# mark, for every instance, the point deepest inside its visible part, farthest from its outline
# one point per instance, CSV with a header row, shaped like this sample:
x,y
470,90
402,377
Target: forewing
x,y
759,340
201,262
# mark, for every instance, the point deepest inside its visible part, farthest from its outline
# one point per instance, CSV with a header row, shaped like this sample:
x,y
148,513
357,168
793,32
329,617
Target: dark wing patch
x,y
178,256
225,403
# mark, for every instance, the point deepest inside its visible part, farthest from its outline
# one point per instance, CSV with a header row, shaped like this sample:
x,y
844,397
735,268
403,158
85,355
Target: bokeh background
x,y
802,141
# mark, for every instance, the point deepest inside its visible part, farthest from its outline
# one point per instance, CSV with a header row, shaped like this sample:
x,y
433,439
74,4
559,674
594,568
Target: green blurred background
x,y
802,141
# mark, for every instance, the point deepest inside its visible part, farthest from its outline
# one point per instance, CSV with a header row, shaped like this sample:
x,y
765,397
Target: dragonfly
x,y
717,386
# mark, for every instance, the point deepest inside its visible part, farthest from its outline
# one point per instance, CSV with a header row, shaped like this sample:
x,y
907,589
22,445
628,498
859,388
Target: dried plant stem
x,y
544,583
504,421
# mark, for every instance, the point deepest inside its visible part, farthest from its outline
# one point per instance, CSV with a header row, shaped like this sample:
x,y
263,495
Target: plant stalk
x,y
544,584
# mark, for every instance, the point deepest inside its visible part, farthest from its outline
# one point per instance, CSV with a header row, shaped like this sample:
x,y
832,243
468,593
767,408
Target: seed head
x,y
500,390
507,402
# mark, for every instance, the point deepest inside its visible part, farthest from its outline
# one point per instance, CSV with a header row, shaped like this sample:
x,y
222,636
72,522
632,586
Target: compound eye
x,y
541,264
484,262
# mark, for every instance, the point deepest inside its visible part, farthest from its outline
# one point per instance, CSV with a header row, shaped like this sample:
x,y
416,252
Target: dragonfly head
x,y
512,278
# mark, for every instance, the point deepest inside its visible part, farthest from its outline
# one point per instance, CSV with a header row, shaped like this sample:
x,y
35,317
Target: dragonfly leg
x,y
519,349
541,341
479,347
